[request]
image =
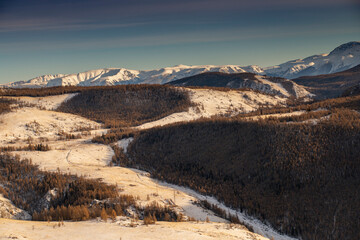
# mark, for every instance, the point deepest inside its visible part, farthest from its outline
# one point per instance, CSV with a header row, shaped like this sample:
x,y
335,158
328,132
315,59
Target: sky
x,y
41,37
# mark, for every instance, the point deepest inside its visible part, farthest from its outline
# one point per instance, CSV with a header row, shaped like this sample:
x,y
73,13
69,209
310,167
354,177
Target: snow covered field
x,y
49,102
80,156
119,230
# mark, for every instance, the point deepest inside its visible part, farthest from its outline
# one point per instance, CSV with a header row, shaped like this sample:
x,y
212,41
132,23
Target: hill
x,y
352,91
330,85
269,85
298,177
127,105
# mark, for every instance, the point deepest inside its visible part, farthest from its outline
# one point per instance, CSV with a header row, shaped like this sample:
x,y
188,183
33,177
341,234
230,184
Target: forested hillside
x,y
40,92
115,106
127,105
352,91
349,102
27,186
55,196
5,105
301,178
330,85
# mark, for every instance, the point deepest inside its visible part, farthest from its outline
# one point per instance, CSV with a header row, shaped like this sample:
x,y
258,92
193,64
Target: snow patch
x,y
124,143
48,102
9,210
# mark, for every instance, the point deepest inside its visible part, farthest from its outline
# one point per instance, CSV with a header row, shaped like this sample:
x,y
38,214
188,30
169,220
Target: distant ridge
x,y
352,91
119,76
331,85
341,58
271,85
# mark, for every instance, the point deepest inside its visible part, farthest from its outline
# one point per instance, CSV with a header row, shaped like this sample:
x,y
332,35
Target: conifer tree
x,y
113,215
104,215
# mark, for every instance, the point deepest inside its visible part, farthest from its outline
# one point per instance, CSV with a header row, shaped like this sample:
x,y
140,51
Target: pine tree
x,y
85,213
167,217
104,215
35,216
113,215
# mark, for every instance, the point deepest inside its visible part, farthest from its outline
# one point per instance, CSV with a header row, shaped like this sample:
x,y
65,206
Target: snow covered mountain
x,y
35,82
118,76
341,58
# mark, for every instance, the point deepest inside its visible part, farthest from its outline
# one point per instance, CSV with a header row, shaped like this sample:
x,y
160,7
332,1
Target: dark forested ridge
x,y
234,80
41,92
331,85
5,105
116,106
214,79
301,178
127,105
352,91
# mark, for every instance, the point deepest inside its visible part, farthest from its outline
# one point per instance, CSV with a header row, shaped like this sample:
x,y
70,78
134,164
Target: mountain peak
x,y
346,46
181,66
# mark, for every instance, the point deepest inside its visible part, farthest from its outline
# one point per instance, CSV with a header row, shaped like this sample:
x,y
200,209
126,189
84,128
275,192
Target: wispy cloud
x,y
23,15
206,36
45,25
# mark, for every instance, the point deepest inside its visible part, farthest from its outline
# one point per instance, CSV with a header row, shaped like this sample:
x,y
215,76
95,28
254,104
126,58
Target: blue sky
x,y
50,36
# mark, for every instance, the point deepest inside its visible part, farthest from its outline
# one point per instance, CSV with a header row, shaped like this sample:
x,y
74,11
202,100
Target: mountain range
x,y
341,58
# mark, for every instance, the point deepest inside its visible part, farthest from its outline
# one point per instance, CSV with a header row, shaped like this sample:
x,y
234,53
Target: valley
x,y
36,122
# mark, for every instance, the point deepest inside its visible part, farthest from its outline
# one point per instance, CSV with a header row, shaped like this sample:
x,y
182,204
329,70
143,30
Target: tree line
x,y
350,102
29,147
5,105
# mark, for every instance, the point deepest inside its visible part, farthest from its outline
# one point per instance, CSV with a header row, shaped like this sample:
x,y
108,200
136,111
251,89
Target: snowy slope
x,y
9,210
268,85
165,75
35,82
209,102
341,58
